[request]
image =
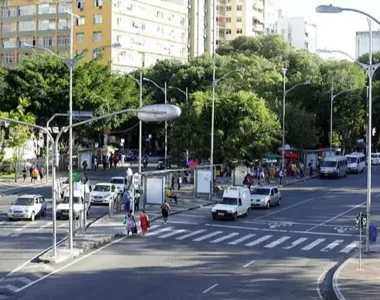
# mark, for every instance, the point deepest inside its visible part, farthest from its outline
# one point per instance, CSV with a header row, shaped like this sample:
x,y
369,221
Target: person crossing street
x,y
165,210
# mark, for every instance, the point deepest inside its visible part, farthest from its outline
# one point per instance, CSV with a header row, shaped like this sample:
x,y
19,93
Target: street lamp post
x,y
370,70
165,91
47,141
140,83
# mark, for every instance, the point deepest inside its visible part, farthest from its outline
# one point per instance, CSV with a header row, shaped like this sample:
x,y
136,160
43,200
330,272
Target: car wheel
x,y
268,205
246,213
279,202
33,216
214,217
234,216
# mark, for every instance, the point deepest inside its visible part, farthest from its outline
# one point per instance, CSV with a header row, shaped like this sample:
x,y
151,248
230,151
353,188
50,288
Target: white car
x,y
27,207
265,196
120,183
103,193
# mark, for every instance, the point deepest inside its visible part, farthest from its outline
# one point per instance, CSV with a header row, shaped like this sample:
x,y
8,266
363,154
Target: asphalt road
x,y
281,253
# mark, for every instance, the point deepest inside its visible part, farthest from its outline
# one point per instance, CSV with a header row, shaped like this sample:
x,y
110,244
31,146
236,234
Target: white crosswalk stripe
x,y
190,234
277,242
159,231
295,243
332,245
223,238
349,247
313,244
242,239
258,241
207,236
171,233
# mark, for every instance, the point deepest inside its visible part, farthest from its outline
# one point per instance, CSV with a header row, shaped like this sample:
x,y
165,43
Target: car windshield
x,y
374,155
352,160
24,201
329,164
229,201
76,200
260,191
117,180
102,188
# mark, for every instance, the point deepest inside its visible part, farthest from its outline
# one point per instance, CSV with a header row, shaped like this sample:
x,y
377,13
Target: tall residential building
x,y
146,31
270,16
362,42
300,33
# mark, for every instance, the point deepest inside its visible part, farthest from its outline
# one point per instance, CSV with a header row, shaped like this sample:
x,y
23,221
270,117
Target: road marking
x,y
286,208
258,241
248,264
210,288
159,231
46,225
337,216
190,234
2,222
242,239
378,195
277,242
295,243
293,223
192,216
205,237
182,222
223,238
319,281
332,245
25,226
171,233
63,225
313,244
349,247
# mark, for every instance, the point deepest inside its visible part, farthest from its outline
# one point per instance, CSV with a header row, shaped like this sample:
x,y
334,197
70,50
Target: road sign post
x,y
361,222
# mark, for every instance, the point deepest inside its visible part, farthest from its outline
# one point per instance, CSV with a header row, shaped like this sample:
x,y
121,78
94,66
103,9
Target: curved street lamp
x,y
370,71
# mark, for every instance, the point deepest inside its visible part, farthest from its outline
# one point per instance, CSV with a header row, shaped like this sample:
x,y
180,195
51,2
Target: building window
x,y
45,41
26,26
9,43
28,40
80,4
239,30
47,25
96,53
63,24
63,41
98,3
8,27
81,21
228,31
228,20
239,7
44,9
98,19
8,58
62,7
27,10
228,8
10,11
96,36
80,37
238,20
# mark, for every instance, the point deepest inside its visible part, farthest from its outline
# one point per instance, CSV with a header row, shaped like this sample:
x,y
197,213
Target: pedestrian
x,y
95,163
137,200
179,181
24,173
126,200
281,175
310,165
302,174
34,175
129,176
173,181
31,173
111,160
129,221
165,210
144,223
104,162
41,172
84,165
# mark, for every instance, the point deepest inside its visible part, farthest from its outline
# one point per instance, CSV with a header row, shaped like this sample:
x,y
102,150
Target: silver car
x,y
265,196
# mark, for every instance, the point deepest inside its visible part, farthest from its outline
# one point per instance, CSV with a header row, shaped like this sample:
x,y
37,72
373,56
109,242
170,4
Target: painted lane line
x,y
193,216
210,288
172,233
337,216
159,231
332,245
226,237
63,225
349,247
46,225
183,222
286,208
9,287
295,243
277,242
207,236
258,241
2,222
313,244
294,223
242,239
320,278
180,238
378,195
248,264
20,279
24,227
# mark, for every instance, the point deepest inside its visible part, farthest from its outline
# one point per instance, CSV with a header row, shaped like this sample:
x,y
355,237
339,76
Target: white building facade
x,y
300,33
270,16
148,31
362,42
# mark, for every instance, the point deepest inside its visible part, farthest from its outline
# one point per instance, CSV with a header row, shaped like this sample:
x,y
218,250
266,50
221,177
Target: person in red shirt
x,y
144,223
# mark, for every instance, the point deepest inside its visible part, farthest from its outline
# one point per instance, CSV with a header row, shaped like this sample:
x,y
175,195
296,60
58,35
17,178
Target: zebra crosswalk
x,y
267,241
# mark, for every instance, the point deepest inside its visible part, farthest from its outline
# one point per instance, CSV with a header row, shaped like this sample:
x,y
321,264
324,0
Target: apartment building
x,y
270,16
362,42
146,31
300,33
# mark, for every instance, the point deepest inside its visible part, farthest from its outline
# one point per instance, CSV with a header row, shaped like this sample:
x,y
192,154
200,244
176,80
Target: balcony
x,y
258,28
259,16
259,5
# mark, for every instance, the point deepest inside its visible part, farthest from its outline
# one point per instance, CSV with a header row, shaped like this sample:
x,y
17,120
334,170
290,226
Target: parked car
x,y
265,196
130,156
27,207
120,183
163,164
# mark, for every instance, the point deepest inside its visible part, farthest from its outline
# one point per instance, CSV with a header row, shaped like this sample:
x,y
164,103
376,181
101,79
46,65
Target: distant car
x,y
129,155
265,196
103,193
163,164
27,207
120,183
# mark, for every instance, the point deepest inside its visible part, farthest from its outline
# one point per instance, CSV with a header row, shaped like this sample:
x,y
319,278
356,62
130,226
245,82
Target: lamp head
x,y
328,9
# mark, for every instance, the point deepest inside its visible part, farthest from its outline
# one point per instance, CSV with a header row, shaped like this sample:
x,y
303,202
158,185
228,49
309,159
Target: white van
x,y
333,166
375,158
356,162
236,202
79,196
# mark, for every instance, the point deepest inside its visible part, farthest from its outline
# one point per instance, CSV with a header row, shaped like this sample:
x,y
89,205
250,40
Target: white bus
x,y
356,162
333,166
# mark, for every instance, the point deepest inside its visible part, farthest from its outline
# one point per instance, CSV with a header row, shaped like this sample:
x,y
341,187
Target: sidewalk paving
x,y
109,227
350,283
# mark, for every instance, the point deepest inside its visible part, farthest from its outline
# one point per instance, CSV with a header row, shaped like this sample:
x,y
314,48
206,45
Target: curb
x,y
302,180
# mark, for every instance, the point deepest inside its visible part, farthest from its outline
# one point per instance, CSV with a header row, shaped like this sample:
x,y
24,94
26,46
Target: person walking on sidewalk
x,y
144,223
165,210
137,200
41,171
126,200
130,223
95,164
34,175
24,173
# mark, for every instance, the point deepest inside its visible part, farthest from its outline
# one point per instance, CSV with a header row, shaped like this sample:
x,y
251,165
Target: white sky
x,y
335,31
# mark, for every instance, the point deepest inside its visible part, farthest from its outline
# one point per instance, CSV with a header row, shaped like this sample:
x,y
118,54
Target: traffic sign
x,y
136,181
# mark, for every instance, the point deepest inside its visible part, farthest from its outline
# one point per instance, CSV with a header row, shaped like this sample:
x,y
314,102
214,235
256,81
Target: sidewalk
x,y
109,227
350,283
